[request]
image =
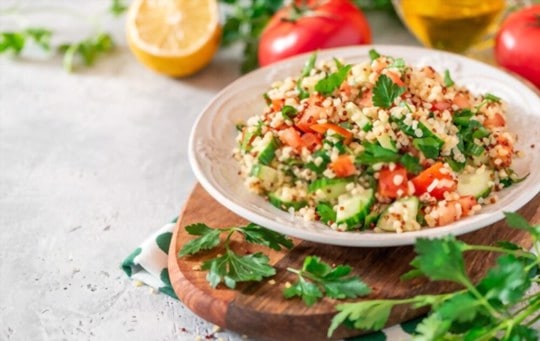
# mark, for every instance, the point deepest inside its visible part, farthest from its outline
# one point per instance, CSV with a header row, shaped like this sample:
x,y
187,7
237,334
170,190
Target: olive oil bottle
x,y
451,25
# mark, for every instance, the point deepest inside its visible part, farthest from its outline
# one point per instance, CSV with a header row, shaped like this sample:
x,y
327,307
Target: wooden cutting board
x,y
259,310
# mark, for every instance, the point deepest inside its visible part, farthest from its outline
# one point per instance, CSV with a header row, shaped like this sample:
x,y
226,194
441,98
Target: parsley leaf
x,y
371,315
492,98
429,146
88,50
373,153
257,234
398,63
431,328
411,163
288,112
16,41
306,70
232,268
117,8
209,239
516,221
448,79
326,212
331,82
385,92
373,54
317,276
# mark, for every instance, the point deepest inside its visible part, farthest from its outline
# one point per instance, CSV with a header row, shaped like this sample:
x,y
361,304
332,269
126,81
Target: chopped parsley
x,y
288,112
331,82
448,81
306,70
386,91
373,54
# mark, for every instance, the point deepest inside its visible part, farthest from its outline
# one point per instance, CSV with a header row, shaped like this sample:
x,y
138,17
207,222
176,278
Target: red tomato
x,y
467,204
343,166
323,128
311,141
309,118
319,25
392,181
291,137
423,182
517,44
494,121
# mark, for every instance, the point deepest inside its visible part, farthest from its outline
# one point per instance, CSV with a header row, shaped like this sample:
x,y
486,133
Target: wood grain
x,y
259,310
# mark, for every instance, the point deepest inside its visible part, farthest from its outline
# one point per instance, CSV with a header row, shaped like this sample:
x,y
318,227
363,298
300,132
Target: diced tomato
x,y
323,128
277,104
309,118
462,100
343,166
467,203
365,99
494,121
346,89
445,181
291,137
392,181
311,141
442,105
395,78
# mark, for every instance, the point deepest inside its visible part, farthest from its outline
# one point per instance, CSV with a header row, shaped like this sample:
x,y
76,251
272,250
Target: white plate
x,y
212,142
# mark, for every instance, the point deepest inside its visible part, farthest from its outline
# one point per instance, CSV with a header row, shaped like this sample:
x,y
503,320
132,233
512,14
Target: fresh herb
x,y
373,153
456,166
430,146
385,92
462,117
398,63
16,41
118,7
373,54
467,134
316,166
326,212
497,307
231,267
88,50
317,278
331,82
492,98
448,81
288,112
411,163
306,70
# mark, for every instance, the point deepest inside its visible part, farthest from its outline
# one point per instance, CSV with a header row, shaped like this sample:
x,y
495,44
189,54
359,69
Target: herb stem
x,y
465,281
517,253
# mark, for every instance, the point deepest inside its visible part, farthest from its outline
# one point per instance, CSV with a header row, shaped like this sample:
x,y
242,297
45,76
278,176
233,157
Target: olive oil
x,y
451,25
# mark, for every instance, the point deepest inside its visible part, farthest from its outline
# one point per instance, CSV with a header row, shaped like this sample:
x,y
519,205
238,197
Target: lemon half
x,y
174,37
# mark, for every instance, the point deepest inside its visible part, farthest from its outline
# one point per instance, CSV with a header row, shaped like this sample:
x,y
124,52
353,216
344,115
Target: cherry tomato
x,y
310,26
423,181
343,166
392,181
517,44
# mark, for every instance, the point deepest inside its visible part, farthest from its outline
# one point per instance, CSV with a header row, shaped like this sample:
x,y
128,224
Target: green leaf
x,y
373,54
331,82
431,328
342,288
209,239
523,333
398,63
40,36
306,70
288,112
326,212
309,292
507,282
429,146
199,229
232,268
257,234
315,266
462,117
411,163
461,308
447,78
371,315
492,98
385,92
373,153
117,7
12,41
517,221
441,259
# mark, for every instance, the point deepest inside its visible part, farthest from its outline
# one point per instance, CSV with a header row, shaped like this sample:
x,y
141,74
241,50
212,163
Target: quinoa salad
x,y
379,146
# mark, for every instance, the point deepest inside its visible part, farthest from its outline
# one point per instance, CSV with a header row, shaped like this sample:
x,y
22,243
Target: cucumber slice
x,y
353,210
267,175
373,216
249,134
386,142
400,216
477,184
266,149
329,188
358,116
281,201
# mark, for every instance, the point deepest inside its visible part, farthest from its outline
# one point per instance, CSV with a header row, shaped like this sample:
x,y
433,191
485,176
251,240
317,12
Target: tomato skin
x,y
517,44
326,24
324,127
311,141
387,187
309,118
291,137
343,166
423,181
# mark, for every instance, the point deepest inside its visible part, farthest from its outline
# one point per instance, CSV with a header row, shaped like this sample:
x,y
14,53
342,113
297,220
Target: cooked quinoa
x,y
379,145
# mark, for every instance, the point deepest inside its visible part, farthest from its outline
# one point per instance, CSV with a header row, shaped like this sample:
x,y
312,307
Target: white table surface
x,y
90,164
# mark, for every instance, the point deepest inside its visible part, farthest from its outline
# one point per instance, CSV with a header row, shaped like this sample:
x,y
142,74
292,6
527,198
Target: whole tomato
x,y
310,25
517,44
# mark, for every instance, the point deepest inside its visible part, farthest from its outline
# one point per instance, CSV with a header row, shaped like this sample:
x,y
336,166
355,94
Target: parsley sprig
x,y
331,82
386,91
15,41
498,306
317,278
231,267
